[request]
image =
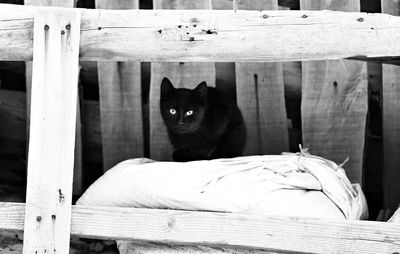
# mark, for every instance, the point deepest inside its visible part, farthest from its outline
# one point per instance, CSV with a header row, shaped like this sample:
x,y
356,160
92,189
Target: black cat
x,y
202,123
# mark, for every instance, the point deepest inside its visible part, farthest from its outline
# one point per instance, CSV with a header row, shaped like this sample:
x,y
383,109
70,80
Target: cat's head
x,y
183,109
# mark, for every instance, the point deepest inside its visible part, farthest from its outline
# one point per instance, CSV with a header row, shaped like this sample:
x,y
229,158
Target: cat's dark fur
x,y
202,123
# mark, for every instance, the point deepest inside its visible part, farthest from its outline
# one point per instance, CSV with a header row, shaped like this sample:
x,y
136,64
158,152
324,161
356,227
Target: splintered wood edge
x,y
214,35
210,228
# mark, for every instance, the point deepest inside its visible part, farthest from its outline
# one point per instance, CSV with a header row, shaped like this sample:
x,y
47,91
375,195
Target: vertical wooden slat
x,y
120,103
260,96
391,123
187,75
334,102
52,139
28,72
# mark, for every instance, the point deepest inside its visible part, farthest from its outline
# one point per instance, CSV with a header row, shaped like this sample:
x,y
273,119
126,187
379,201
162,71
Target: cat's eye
x,y
172,111
189,113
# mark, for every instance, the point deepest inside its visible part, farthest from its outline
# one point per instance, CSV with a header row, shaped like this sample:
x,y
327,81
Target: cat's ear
x,y
202,89
166,86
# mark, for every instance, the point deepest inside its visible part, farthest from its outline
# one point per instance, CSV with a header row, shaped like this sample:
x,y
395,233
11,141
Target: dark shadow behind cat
x,y
202,123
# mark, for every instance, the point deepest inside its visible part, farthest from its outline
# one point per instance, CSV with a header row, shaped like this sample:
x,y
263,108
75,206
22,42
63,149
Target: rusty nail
x,y
53,216
68,27
265,16
38,219
304,16
46,27
62,32
179,26
360,19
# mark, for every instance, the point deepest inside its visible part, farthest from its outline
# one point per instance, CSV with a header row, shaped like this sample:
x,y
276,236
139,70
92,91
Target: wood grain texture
x,y
335,103
120,103
260,96
28,74
391,123
334,109
57,3
223,36
280,234
182,75
52,139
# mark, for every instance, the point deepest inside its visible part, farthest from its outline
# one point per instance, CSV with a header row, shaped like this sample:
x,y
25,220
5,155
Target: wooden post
x,y
334,103
120,103
187,75
260,96
78,177
52,139
391,123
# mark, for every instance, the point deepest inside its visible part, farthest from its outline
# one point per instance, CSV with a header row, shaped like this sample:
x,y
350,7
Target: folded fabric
x,y
290,185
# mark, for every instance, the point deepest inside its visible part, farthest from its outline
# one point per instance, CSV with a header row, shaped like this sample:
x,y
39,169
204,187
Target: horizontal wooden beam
x,y
213,35
309,235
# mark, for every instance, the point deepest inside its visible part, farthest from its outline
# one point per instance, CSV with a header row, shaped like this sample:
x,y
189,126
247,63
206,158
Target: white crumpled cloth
x,y
290,184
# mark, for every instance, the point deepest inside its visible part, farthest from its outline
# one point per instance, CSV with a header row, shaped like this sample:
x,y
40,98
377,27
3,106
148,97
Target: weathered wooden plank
x,y
260,96
334,103
52,139
120,103
59,3
182,75
391,123
291,234
219,35
28,74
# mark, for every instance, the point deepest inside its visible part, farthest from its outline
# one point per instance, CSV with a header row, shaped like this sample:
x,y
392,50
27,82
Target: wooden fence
x,y
57,38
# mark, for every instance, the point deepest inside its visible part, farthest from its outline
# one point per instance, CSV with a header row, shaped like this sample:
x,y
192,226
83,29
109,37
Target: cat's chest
x,y
196,139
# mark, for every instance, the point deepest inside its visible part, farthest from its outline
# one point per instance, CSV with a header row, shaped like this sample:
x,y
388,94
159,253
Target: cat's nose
x,y
180,123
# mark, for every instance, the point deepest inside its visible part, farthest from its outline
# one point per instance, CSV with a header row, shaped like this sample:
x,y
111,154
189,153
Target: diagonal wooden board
x,y
78,174
391,123
120,103
260,96
335,103
53,125
187,75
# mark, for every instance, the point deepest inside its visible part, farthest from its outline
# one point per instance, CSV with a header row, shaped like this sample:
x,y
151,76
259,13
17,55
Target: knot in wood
x,y
171,223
